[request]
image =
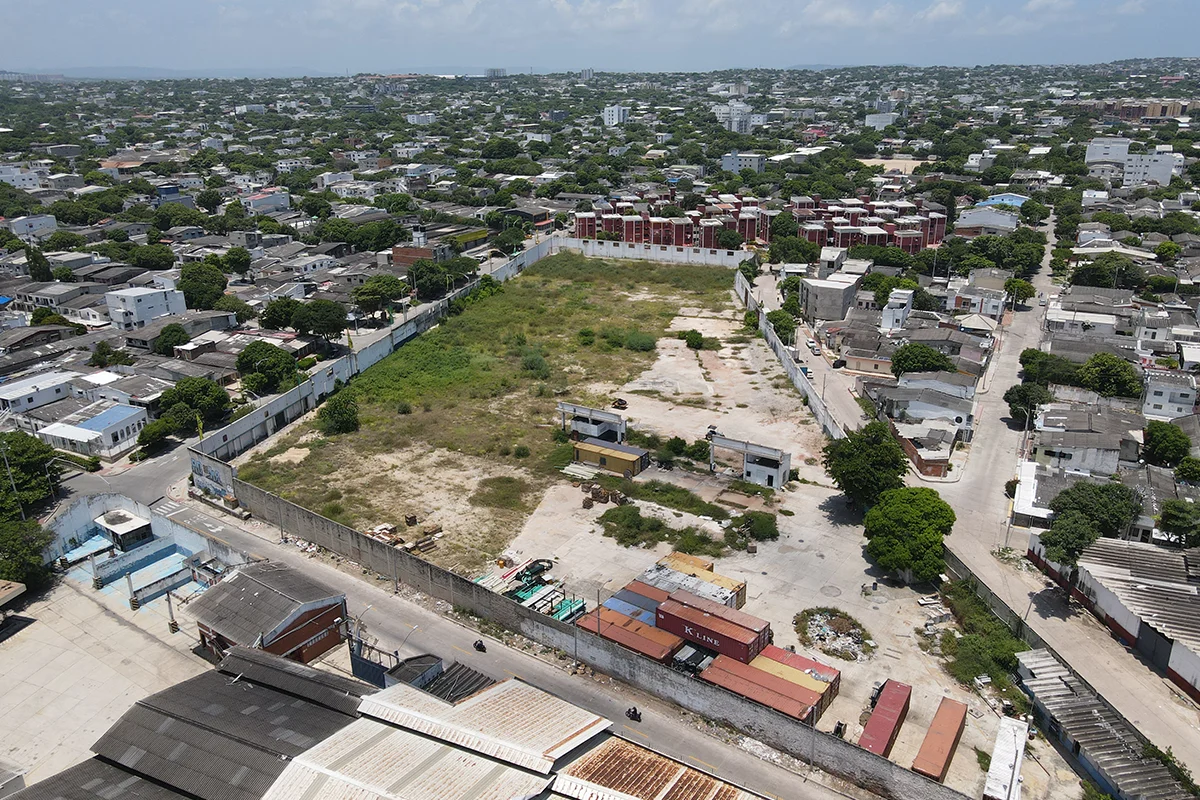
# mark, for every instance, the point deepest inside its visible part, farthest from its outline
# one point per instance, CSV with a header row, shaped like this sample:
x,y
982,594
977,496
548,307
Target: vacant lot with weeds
x,y
457,425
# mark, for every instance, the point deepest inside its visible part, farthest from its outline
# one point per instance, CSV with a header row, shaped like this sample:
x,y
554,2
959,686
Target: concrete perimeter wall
x,y
745,293
670,254
826,751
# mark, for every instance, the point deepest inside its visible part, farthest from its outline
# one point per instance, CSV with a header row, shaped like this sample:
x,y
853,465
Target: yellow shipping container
x,y
725,582
798,677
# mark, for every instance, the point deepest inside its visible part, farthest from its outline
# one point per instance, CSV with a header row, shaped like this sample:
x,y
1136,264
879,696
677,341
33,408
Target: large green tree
x,y
23,544
905,530
1069,535
278,313
243,310
39,265
172,336
1023,400
1109,376
793,250
31,468
204,395
1180,521
1165,445
866,463
237,259
1109,506
202,285
1019,290
917,357
324,318
275,365
339,414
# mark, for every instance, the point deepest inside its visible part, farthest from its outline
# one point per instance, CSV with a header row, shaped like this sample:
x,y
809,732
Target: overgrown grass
x,y
501,492
987,646
746,487
629,528
984,759
664,494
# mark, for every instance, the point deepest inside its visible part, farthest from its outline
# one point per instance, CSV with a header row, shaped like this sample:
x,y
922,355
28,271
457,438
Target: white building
x,y
615,115
878,122
1168,395
36,391
733,161
327,179
134,308
19,178
424,118
34,226
292,164
1142,168
1109,148
103,429
899,306
269,200
250,108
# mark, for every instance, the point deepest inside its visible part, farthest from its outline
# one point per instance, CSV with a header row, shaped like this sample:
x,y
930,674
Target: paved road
x,y
394,621
1142,695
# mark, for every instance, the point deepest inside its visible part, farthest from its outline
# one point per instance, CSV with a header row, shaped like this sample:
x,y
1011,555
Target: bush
x,y
758,526
665,494
534,363
306,363
750,320
676,446
1010,487
665,458
520,451
404,408
693,339
629,528
586,337
339,414
639,341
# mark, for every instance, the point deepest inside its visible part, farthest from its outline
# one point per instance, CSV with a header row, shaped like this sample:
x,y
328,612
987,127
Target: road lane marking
x,y
515,675
705,763
459,649
639,733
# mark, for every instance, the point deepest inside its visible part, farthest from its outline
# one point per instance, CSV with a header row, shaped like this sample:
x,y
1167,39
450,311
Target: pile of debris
x,y
838,635
595,493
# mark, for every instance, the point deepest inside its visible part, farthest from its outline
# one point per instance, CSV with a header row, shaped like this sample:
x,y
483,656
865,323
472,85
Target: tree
x,y
278,313
500,148
64,240
339,414
171,337
39,266
325,318
23,544
1070,534
1026,397
183,419
509,241
1033,212
237,259
209,200
34,472
1045,368
274,364
202,285
316,206
1180,521
1020,290
45,316
1166,445
154,435
783,225
153,257
1188,470
1110,506
1109,376
905,529
792,250
200,394
866,463
105,355
783,323
917,357
239,307
729,239
63,274
1167,252
377,292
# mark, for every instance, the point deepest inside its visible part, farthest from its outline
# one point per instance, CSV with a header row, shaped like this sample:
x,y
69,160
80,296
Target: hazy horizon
x,y
335,37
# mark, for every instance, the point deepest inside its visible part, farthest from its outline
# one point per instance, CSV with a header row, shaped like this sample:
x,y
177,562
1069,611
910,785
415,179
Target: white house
x,y
103,429
268,200
19,178
36,391
426,118
135,308
899,306
326,179
1168,395
33,226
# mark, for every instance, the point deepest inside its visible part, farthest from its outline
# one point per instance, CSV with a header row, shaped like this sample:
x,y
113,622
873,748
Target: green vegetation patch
x,y
502,492
664,494
629,528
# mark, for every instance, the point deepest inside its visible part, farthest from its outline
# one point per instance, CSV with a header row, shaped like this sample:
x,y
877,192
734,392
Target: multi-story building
x,y
134,308
424,118
615,115
1142,168
36,391
1108,148
33,227
734,161
1168,395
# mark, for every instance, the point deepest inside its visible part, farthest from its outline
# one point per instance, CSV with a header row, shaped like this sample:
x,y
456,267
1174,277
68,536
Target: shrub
x,y
639,341
1010,487
520,451
306,363
534,363
404,408
586,337
693,339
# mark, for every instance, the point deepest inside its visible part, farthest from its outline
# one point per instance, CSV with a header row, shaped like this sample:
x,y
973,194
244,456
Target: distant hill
x,y
161,73
817,67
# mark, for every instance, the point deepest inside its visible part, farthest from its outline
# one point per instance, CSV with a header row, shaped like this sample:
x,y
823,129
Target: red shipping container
x,y
822,672
759,694
739,618
626,638
879,734
709,631
610,617
937,750
646,590
768,681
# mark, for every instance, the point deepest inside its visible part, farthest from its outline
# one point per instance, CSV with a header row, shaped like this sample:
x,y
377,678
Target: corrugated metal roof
x,y
217,737
371,760
621,770
318,686
96,780
256,599
511,721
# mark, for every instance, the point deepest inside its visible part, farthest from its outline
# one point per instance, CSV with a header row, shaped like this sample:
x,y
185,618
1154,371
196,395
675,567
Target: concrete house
x,y
1168,395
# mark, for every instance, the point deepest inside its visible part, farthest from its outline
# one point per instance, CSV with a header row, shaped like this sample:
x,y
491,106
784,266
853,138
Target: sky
x,y
396,36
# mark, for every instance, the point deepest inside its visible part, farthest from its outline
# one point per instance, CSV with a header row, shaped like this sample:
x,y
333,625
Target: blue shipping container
x,y
635,599
630,610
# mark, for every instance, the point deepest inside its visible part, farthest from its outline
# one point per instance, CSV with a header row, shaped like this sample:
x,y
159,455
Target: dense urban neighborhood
x,y
389,435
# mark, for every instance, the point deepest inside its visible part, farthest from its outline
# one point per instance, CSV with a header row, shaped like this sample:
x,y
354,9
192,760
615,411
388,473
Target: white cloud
x,y
941,10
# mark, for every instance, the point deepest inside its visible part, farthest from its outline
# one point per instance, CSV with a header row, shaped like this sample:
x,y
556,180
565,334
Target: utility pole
x,y
11,482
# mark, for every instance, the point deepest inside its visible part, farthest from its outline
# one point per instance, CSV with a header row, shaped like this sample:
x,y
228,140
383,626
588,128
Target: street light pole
x,y
11,482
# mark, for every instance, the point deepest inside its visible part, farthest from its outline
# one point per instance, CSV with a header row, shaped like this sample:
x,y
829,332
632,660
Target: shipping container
x,y
822,672
635,599
695,561
709,631
610,617
627,638
708,576
670,580
737,617
802,679
805,695
759,694
937,750
879,734
648,591
630,610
